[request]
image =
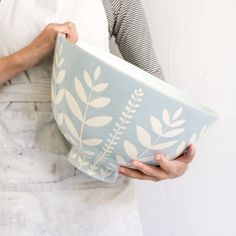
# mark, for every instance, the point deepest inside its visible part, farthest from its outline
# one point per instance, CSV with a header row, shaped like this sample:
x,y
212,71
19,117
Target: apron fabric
x,y
41,192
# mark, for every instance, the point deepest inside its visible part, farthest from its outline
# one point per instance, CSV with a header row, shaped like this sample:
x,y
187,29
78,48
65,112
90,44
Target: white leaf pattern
x,y
177,123
180,148
71,127
87,79
99,121
92,142
80,90
147,158
164,145
59,96
97,72
156,125
166,117
60,77
120,160
100,102
60,63
192,139
60,49
177,114
100,87
73,105
130,149
60,118
89,153
203,131
143,136
173,133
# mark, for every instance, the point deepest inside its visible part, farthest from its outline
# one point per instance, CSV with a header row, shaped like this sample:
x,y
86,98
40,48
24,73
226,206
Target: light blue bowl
x,y
113,112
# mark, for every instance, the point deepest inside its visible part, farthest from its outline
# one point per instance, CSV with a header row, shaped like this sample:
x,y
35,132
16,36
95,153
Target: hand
x,y
44,44
168,169
36,51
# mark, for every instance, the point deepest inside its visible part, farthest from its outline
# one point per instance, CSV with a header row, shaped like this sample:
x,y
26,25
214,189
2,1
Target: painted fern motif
x,y
125,119
168,128
183,145
58,76
98,103
81,159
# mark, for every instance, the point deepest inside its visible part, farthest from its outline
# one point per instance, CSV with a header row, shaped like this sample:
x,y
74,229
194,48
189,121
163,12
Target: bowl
x,y
112,112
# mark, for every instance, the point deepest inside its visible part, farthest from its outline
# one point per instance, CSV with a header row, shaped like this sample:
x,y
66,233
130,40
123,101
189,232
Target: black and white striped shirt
x,y
128,24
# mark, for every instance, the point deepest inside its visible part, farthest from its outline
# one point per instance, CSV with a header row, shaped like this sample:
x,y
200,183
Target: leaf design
x,y
180,148
80,90
203,130
60,118
143,136
92,142
164,145
97,73
166,116
82,161
108,146
73,105
59,96
192,139
147,158
156,125
177,114
60,49
98,121
71,127
60,63
105,173
60,77
120,160
71,139
89,153
173,133
100,102
100,87
130,149
177,123
73,155
87,79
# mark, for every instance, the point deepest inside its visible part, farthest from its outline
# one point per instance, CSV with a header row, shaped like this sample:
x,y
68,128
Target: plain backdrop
x,y
195,45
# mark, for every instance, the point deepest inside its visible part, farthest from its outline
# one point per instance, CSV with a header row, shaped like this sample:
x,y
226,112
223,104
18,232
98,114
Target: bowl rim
x,y
141,75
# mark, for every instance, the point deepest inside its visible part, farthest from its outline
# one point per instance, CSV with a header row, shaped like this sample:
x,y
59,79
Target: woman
x,y
41,193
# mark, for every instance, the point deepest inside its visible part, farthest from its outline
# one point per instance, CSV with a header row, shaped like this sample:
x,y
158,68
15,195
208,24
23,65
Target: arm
x,y
132,35
35,52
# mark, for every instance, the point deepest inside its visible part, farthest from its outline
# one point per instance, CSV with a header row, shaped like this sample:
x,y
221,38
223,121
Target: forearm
x,y
10,66
36,51
19,61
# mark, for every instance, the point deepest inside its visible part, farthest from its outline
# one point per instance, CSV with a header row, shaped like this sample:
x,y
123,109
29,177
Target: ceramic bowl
x,y
113,112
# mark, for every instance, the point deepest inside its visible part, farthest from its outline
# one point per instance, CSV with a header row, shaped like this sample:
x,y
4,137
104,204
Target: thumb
x,y
163,161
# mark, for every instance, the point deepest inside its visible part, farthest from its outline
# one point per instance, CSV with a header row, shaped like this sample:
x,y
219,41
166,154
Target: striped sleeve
x,y
128,24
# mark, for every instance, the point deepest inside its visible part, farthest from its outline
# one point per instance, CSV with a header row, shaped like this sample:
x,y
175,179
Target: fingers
x,y
168,168
165,164
172,168
69,29
150,170
136,174
188,155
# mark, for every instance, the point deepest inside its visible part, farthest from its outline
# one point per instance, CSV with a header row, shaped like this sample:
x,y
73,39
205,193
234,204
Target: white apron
x,y
41,193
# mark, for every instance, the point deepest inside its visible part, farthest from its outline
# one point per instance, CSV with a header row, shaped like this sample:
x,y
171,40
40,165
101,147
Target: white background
x,y
195,44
